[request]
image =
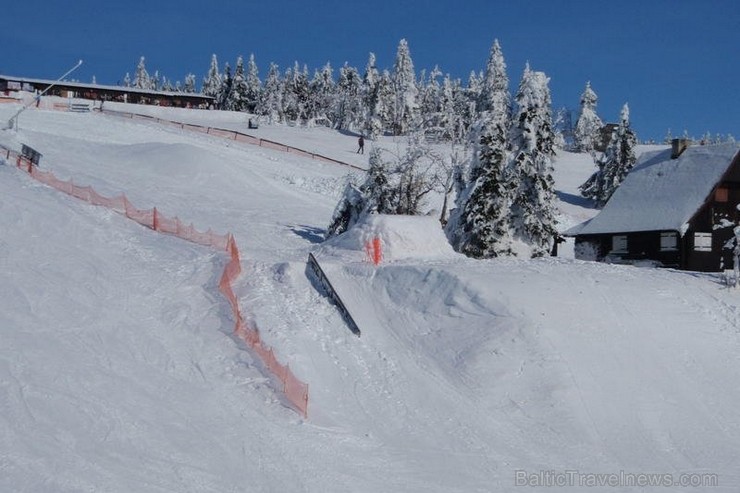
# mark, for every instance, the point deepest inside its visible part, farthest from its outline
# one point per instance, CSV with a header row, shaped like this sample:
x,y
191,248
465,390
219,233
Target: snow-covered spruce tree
x,y
189,86
212,81
494,89
321,95
615,163
348,106
167,86
254,86
127,80
271,102
430,104
406,106
155,81
448,118
533,197
225,89
236,100
382,117
563,129
296,94
589,124
370,82
141,77
479,226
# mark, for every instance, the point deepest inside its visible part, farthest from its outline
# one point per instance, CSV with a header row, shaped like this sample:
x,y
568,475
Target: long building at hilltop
x,y
97,92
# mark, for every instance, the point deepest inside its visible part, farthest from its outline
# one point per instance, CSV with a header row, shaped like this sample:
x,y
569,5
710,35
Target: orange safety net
x,y
295,390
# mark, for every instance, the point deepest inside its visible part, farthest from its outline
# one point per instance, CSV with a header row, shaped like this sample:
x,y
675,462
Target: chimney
x,y
678,146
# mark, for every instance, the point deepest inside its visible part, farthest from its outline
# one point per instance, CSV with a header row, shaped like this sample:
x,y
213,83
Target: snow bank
x,y
401,238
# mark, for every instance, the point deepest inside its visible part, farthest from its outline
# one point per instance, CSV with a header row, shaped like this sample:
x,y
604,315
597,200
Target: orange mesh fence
x,y
295,390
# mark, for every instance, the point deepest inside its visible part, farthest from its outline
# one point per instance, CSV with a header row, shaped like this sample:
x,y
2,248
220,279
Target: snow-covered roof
x,y
660,193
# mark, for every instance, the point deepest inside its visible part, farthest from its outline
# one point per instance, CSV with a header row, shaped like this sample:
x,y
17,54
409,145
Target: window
x,y
703,242
668,242
721,194
619,244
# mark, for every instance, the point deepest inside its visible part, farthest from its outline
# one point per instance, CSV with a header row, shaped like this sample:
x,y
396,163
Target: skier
x,y
361,143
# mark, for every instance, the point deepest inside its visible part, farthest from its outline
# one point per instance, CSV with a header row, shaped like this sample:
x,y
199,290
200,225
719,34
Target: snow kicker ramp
x,y
552,365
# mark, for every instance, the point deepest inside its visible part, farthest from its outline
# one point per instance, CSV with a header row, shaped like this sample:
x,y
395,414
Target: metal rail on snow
x,y
333,295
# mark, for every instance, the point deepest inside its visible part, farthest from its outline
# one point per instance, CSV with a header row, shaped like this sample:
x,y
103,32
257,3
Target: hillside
x,y
120,373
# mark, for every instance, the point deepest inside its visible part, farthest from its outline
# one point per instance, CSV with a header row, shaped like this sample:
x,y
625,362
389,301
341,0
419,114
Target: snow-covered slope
x,y
118,371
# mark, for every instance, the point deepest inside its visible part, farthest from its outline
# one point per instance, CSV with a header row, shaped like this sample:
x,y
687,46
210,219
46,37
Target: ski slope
x,y
119,372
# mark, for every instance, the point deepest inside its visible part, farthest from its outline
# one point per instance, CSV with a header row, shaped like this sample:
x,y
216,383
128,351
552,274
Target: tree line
x,y
497,178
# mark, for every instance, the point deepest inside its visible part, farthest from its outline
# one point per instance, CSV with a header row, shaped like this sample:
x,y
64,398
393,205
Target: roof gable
x,y
662,194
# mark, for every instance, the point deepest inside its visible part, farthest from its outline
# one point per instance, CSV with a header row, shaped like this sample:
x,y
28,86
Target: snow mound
x,y
401,238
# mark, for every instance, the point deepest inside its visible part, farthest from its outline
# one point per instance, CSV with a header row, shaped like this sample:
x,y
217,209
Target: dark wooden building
x,y
677,207
98,92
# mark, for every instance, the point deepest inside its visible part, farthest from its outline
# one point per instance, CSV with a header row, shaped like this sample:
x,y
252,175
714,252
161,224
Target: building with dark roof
x,y
97,92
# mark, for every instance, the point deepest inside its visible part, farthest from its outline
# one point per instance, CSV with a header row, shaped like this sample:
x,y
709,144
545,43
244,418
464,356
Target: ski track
x,y
397,407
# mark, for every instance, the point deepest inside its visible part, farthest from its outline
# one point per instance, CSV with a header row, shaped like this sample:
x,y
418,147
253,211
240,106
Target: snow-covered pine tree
x,y
494,88
296,94
236,100
349,107
127,80
167,86
254,86
212,81
589,124
382,117
449,121
226,82
141,77
406,106
430,104
155,81
532,143
473,94
615,163
321,97
189,86
370,94
271,102
480,225
377,188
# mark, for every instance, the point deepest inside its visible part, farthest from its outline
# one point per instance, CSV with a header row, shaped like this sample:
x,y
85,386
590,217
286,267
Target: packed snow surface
x,y
119,372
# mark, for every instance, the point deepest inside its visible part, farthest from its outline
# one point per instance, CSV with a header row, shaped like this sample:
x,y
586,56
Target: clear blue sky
x,y
676,62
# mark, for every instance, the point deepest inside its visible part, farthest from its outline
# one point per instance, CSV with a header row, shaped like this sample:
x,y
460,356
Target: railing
x,y
237,136
314,267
